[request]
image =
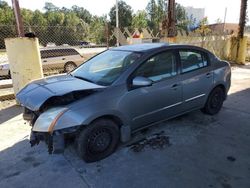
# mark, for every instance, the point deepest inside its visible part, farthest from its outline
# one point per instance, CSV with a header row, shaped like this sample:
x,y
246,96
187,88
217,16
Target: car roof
x,y
149,47
141,47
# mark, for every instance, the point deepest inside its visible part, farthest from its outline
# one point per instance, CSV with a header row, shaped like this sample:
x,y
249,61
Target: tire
x,y
9,75
98,140
214,102
69,66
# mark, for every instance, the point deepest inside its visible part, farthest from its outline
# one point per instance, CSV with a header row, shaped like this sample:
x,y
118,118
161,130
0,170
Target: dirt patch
x,y
156,141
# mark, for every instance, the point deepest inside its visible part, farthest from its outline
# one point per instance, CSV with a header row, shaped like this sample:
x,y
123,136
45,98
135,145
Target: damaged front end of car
x,y
51,127
47,108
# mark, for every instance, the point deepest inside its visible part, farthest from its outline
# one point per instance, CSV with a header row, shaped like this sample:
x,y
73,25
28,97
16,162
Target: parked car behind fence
x,y
60,58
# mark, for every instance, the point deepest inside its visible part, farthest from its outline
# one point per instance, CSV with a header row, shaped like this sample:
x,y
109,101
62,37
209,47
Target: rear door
x,y
196,76
53,58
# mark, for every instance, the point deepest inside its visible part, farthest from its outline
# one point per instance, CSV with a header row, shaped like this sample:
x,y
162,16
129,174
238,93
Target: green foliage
x,y
50,7
152,10
203,27
181,17
140,20
75,24
125,15
82,13
98,30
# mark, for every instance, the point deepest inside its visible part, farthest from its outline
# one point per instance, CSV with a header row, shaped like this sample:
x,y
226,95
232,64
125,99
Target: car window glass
x,y
106,67
68,52
192,60
58,53
159,67
44,54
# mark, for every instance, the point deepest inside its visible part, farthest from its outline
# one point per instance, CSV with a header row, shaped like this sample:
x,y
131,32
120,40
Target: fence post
x,y
19,21
239,49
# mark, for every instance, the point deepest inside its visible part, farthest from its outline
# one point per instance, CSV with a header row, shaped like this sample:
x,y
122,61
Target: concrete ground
x,y
194,150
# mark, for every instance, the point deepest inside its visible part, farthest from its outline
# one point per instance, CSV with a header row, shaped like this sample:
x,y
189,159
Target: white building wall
x,y
198,13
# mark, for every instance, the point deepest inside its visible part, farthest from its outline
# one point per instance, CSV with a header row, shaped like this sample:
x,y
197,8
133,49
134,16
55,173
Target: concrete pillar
x,y
24,60
239,50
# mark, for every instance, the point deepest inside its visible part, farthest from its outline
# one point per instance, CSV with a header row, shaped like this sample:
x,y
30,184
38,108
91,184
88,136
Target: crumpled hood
x,y
37,92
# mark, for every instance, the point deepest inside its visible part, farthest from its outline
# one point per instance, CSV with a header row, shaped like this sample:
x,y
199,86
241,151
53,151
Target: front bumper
x,y
55,141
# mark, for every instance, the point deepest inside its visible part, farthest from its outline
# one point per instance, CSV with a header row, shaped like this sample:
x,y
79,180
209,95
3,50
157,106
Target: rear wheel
x,y
214,102
69,66
98,140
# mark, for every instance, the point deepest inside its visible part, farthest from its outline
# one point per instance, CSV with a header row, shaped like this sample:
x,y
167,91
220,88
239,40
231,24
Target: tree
x,y
125,15
243,18
97,30
152,10
7,22
161,10
140,20
50,7
182,19
38,19
203,28
82,13
4,5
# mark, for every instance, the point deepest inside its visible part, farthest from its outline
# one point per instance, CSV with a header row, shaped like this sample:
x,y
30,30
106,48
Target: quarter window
x,y
158,67
58,53
192,60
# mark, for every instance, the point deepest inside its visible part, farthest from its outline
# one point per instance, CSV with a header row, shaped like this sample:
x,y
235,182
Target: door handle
x,y
44,61
63,58
208,75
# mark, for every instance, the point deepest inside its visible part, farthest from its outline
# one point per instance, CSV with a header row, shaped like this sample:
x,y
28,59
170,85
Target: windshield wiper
x,y
82,78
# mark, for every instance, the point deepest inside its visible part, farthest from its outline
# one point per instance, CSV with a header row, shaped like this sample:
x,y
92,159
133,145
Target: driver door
x,y
162,99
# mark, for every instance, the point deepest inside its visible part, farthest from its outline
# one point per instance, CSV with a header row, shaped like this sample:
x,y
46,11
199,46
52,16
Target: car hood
x,y
35,94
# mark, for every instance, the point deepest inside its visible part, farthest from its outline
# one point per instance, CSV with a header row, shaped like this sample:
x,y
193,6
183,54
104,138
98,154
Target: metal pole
x,y
171,18
117,24
107,34
19,21
242,21
225,17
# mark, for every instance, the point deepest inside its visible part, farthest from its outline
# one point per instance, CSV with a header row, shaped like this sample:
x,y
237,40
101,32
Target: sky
x,y
214,9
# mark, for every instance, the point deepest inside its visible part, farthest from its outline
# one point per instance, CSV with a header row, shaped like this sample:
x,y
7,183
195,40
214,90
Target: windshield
x,y
106,67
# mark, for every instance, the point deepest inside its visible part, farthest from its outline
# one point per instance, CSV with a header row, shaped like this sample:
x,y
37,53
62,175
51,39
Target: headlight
x,y
47,120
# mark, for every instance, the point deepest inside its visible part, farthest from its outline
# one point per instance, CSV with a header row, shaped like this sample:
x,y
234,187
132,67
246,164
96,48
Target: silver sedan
x,y
121,91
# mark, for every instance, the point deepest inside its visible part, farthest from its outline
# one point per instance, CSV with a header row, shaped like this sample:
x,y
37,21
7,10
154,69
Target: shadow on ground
x,y
203,151
22,166
10,112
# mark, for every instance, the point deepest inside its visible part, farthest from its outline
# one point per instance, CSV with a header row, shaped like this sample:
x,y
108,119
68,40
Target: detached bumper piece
x,y
55,143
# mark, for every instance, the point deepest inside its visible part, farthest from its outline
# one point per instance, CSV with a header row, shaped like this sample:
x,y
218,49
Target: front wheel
x,y
98,140
214,102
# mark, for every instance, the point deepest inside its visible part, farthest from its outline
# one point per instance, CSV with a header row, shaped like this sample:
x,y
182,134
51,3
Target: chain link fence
x,y
63,48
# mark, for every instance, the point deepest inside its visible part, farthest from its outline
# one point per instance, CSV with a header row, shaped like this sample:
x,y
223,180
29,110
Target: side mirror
x,y
140,81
